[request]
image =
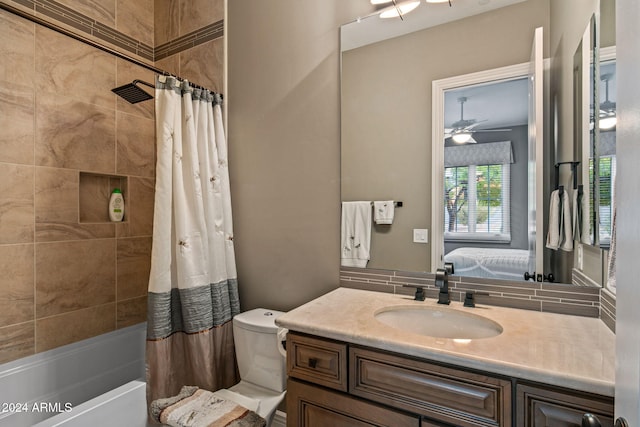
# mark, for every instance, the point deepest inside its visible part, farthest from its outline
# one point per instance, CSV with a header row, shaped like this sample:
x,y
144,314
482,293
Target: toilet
x,y
261,361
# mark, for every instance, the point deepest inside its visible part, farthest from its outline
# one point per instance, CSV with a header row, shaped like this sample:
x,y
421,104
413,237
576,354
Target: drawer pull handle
x,y
313,362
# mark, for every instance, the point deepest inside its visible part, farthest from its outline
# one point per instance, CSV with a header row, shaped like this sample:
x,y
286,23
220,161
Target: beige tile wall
x,y
66,272
65,142
203,63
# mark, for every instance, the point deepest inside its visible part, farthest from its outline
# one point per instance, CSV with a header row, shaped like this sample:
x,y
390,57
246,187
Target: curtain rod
x,y
85,40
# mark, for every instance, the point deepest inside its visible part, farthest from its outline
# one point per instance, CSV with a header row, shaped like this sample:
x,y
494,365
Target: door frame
x,y
438,88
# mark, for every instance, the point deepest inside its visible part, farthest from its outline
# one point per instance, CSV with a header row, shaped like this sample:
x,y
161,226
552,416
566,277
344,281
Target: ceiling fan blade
x,y
476,123
492,130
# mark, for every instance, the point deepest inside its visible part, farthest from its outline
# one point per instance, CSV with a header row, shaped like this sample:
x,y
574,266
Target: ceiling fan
x,y
462,130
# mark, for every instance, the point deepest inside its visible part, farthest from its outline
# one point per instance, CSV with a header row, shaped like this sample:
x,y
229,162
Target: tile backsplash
x,y
547,297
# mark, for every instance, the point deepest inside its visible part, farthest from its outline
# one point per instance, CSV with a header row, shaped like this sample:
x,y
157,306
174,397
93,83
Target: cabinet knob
x,y
313,362
590,420
621,422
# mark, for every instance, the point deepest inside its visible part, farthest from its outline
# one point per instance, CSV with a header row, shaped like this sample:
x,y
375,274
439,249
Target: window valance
x,y
490,153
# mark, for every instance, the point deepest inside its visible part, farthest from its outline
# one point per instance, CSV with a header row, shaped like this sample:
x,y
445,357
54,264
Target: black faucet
x,y
442,282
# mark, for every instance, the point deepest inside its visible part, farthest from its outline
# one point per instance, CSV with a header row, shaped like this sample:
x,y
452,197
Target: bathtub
x,y
123,406
35,389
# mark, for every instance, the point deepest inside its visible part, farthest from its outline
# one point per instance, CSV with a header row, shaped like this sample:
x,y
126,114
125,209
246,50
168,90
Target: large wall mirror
x,y
595,135
388,67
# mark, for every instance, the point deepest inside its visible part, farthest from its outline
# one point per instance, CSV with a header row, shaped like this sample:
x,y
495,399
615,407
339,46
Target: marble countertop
x,y
562,350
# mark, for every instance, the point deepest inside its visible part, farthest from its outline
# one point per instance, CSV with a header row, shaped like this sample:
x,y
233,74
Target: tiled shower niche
x,y
94,194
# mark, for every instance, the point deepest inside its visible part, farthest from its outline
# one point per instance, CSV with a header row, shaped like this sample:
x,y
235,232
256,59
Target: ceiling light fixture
x,y
399,9
461,137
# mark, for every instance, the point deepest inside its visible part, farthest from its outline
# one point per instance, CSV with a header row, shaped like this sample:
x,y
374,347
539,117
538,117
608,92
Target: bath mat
x,y
194,407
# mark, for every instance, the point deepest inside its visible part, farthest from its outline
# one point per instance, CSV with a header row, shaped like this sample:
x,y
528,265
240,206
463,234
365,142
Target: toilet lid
x,y
259,320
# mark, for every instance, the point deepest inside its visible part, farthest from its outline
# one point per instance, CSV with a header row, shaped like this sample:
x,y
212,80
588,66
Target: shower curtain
x,y
193,292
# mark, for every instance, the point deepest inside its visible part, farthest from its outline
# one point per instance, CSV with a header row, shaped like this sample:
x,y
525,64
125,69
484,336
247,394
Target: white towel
x,y
566,229
560,234
356,233
553,235
383,212
581,218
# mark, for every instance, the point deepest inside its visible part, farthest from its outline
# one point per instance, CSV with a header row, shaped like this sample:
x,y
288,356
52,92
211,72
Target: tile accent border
x,y
54,13
578,278
195,38
546,297
608,309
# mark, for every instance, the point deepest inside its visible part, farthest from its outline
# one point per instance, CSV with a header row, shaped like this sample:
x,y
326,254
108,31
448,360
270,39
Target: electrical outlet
x,y
420,235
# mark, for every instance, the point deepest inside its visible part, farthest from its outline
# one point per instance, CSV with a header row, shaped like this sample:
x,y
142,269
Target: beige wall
x,y
386,127
66,272
284,137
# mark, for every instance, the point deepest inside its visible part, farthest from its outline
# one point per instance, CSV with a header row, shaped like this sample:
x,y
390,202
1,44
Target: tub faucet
x,y
442,282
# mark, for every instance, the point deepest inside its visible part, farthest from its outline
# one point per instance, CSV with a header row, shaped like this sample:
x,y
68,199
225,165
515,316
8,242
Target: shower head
x,y
132,93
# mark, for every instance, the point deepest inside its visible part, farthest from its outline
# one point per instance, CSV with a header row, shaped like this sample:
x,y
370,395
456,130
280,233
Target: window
x,y
477,202
477,192
606,172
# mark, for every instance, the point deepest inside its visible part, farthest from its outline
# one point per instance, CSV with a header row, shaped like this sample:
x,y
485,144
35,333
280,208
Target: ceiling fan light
x,y
607,122
399,9
461,137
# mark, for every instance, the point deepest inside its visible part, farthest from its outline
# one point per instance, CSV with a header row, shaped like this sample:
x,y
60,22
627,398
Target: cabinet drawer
x,y
436,392
317,360
310,406
546,406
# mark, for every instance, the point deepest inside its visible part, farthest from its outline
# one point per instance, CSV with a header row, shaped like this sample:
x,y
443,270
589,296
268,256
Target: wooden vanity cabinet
x,y
542,406
403,390
336,384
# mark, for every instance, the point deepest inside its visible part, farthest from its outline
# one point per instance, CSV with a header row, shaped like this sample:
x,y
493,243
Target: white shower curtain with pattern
x,y
193,293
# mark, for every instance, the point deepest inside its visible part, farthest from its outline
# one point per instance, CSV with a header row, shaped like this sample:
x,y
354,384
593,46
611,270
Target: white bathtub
x,y
124,406
38,387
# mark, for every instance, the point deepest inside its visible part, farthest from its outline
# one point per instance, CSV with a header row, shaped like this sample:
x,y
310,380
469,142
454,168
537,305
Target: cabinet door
x,y
548,407
311,406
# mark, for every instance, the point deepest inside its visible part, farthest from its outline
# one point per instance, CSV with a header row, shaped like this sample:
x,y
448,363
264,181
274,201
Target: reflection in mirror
x,y
485,179
583,131
606,151
386,109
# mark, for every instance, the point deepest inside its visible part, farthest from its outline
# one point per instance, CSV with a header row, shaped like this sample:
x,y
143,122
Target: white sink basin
x,y
439,322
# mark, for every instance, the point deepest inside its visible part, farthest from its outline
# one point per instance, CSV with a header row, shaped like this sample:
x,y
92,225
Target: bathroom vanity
x,y
347,368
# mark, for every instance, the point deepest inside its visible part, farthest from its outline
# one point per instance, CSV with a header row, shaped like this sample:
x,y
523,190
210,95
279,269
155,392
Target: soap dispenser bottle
x,y
116,205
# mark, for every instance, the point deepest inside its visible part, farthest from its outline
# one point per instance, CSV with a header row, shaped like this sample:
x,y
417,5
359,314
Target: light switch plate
x,y
420,235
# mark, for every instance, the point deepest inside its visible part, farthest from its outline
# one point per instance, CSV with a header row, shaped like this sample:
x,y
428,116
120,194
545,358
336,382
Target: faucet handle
x,y
419,296
468,299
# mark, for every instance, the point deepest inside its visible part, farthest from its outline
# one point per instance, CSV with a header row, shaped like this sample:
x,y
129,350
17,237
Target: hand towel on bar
x,y
560,233
383,212
553,234
581,218
566,228
356,233
195,407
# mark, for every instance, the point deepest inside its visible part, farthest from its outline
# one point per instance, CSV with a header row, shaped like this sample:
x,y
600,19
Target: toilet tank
x,y
259,351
